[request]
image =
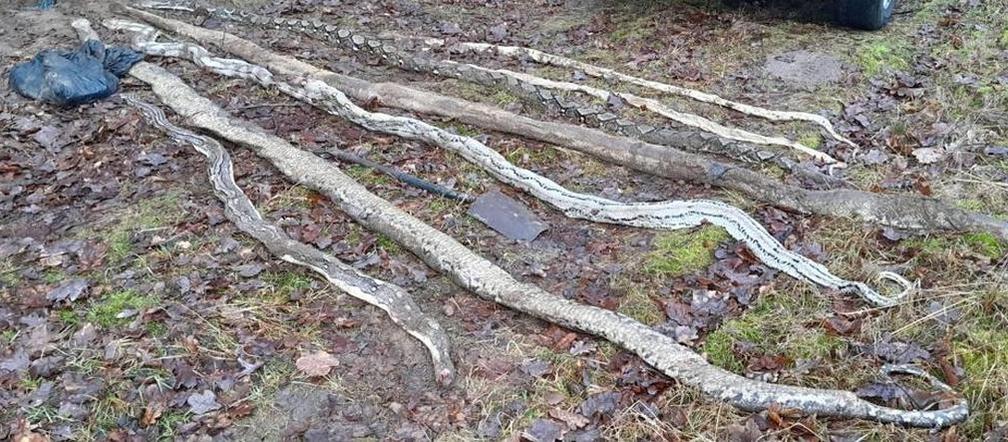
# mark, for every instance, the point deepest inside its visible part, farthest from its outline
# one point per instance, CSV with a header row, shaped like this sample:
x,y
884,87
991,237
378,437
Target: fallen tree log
x,y
900,211
490,282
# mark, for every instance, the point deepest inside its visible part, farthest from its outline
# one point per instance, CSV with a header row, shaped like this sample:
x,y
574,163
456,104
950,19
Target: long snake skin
x,y
395,301
554,101
490,282
666,215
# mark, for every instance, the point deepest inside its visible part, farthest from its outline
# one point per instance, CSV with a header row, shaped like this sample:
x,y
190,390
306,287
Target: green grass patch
x,y
971,204
524,156
982,243
156,329
466,131
169,422
679,253
983,354
636,303
986,244
637,22
774,326
368,176
286,283
503,98
811,139
106,412
158,212
388,244
720,350
107,310
930,245
464,89
297,197
7,336
68,317
8,274
42,414
274,374
29,383
877,57
440,206
120,244
52,276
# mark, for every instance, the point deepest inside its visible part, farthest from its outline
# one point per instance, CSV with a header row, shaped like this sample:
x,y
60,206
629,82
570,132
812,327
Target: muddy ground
x,y
132,310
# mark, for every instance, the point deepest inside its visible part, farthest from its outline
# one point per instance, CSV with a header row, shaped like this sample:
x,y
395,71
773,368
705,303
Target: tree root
x,y
238,208
489,281
900,211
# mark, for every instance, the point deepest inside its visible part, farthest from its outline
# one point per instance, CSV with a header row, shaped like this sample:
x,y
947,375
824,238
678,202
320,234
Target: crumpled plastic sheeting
x,y
72,78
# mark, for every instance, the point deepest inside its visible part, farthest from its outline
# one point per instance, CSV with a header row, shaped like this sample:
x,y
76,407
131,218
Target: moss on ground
x,y
982,352
107,310
637,303
682,252
811,139
774,326
154,213
882,55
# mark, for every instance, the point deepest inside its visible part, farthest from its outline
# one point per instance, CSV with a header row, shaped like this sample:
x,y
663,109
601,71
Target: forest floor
x,y
130,309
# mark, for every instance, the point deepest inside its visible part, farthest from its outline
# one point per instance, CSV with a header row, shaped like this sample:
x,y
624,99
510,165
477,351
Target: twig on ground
x,y
412,180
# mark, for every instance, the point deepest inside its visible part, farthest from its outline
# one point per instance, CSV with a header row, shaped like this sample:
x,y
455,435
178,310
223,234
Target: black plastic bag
x,y
71,78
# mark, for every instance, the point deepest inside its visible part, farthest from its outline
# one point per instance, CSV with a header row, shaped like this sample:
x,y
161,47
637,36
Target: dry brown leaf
x,y
573,420
315,364
151,413
22,433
